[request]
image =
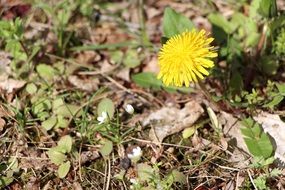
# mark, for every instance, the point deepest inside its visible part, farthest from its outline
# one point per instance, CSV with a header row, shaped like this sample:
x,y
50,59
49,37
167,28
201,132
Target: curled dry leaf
x,y
231,129
170,120
151,65
275,127
124,74
89,156
10,85
87,57
106,66
89,85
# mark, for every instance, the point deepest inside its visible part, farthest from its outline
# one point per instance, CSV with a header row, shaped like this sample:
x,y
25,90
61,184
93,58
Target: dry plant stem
x,y
207,94
24,48
251,180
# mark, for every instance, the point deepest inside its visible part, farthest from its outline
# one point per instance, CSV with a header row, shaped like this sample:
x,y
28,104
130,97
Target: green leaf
x,y
56,156
269,65
61,122
276,23
31,88
145,172
281,88
252,34
107,148
149,80
275,172
188,132
264,7
45,71
117,56
276,100
131,59
238,19
106,105
41,105
258,142
57,103
5,181
236,83
175,23
49,123
253,9
260,162
14,47
65,144
68,110
63,169
268,8
260,182
13,163
178,177
63,17
252,39
220,21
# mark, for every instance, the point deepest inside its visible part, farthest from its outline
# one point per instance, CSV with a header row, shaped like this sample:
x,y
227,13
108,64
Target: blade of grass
x,y
105,46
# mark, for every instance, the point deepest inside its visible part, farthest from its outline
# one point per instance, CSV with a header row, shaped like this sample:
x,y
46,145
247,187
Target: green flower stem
x,y
207,94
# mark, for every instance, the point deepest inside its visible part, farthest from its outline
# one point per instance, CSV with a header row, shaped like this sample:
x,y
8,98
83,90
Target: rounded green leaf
x,y
49,123
31,88
63,169
57,103
178,177
175,23
188,132
145,172
65,144
55,156
61,122
132,59
106,105
45,71
107,148
68,110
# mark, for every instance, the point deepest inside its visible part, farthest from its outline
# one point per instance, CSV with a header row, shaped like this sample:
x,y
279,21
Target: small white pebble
x,y
133,181
129,108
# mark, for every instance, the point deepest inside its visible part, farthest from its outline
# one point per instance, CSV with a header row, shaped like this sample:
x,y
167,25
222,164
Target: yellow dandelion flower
x,y
184,57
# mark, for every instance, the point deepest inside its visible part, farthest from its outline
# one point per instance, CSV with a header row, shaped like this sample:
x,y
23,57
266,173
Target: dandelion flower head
x,y
185,57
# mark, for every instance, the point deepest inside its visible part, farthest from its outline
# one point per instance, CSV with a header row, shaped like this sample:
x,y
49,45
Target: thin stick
x,y
249,175
109,174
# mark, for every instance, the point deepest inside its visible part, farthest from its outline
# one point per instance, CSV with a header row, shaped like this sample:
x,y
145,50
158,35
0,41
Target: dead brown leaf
x,y
87,57
124,74
4,66
170,120
2,124
231,129
77,186
11,85
275,127
89,84
151,65
89,156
